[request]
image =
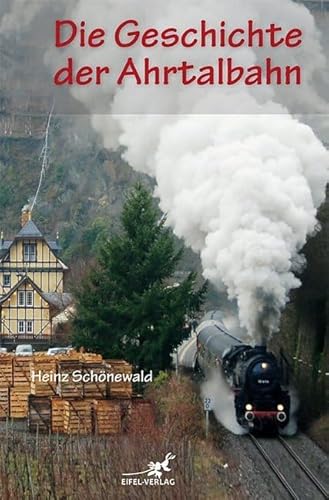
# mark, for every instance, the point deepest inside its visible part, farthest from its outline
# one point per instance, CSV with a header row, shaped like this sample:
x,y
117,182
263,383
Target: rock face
x,y
82,192
304,333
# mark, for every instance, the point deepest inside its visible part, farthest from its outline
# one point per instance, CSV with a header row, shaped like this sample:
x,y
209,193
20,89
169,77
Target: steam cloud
x,y
242,190
222,397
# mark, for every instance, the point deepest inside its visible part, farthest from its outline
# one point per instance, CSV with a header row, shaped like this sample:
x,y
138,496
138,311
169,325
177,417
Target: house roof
x,y
4,246
59,300
30,230
54,245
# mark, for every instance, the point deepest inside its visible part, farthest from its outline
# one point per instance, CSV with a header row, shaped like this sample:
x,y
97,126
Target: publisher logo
x,y
154,474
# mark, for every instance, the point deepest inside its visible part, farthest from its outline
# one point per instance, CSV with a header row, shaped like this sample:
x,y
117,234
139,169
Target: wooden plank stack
x,y
43,380
120,389
18,402
4,402
43,389
6,370
78,417
57,414
107,416
21,372
67,386
21,389
39,415
95,389
6,381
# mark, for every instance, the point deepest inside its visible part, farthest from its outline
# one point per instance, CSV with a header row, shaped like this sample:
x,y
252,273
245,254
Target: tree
x,y
126,306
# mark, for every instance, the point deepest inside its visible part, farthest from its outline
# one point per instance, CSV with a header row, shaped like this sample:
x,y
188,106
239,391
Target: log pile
x,y
119,389
39,414
18,402
45,384
67,387
57,415
22,373
78,416
107,416
6,371
4,402
6,381
44,390
96,388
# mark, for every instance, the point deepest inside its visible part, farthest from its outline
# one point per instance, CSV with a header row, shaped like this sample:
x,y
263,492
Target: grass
x,y
68,468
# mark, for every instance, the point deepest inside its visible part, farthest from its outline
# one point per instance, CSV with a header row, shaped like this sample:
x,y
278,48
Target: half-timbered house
x,y
32,278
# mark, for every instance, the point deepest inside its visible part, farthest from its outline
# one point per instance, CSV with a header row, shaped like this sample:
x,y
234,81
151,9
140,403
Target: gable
x,y
25,284
31,252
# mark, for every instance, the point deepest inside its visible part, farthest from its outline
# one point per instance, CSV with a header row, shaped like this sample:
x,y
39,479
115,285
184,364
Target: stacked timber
x,y
57,414
43,379
95,384
70,393
78,417
6,370
119,389
4,402
39,415
21,389
21,372
89,357
107,416
18,402
68,386
6,381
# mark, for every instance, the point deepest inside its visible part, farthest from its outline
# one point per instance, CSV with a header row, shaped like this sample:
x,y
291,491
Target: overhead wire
x,y
44,157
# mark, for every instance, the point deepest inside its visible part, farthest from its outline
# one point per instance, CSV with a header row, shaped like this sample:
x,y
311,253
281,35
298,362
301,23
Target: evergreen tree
x,y
126,307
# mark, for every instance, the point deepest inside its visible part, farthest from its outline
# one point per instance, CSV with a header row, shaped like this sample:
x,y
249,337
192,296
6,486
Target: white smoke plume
x,y
242,190
222,397
20,14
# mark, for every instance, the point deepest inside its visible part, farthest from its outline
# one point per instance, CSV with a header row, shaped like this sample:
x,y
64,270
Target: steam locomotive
x,y
258,381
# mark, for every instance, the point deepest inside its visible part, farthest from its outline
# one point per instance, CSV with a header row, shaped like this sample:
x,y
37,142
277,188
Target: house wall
x,y
46,272
12,313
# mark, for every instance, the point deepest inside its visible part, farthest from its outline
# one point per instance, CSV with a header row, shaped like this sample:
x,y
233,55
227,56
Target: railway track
x,y
288,484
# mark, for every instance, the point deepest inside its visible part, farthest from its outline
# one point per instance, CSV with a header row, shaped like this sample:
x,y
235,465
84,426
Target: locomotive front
x,y
261,402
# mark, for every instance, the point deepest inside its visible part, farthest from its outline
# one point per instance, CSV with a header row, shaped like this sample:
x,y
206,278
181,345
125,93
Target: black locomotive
x,y
259,382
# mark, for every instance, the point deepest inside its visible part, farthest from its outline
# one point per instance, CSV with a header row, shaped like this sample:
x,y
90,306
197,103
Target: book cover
x,y
163,249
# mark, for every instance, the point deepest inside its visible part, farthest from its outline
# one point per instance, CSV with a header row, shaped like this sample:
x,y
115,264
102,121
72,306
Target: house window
x,y
21,326
29,252
29,327
6,280
29,299
21,299
25,299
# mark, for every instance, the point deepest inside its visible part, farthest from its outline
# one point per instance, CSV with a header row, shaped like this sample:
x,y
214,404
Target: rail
x,y
303,466
281,477
283,480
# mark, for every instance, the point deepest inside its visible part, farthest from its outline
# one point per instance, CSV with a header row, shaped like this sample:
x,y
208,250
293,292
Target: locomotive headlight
x,y
264,366
280,407
248,407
